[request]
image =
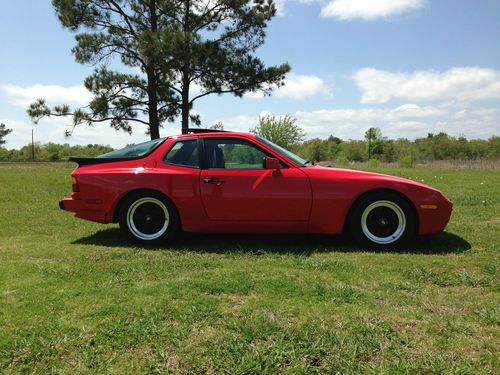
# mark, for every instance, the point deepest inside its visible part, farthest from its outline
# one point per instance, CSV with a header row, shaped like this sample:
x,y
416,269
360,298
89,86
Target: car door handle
x,y
213,180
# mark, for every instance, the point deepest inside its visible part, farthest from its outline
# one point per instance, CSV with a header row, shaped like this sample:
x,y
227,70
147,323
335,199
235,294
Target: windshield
x,y
282,151
134,151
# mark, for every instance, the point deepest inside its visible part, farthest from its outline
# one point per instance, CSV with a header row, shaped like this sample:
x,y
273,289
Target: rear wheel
x,y
149,218
382,220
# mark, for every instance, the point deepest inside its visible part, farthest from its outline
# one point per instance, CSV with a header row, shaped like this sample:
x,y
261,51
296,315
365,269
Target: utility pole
x,y
32,146
369,144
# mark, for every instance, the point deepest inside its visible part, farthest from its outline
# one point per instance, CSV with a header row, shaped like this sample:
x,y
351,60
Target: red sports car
x,y
215,181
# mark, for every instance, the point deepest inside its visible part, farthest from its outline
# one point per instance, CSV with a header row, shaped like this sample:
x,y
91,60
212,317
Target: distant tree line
x,y
285,132
433,147
439,146
52,152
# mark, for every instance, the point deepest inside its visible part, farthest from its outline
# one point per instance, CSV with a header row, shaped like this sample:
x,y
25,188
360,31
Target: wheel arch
x,y
119,205
345,226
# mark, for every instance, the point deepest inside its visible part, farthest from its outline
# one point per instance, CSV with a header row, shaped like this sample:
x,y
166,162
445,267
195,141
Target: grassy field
x,y
75,297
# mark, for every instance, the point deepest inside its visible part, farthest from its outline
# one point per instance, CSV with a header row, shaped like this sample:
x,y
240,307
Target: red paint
x,y
295,199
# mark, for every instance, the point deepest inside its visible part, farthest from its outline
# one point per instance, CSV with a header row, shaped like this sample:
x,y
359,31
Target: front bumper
x,y
434,221
83,210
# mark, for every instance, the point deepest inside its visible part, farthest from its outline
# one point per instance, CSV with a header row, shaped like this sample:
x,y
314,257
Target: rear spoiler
x,y
90,161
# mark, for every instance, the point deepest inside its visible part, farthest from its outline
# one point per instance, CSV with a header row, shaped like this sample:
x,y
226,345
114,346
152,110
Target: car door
x,y
235,186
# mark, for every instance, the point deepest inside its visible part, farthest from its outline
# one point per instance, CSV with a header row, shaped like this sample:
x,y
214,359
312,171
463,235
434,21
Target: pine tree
x,y
166,47
4,131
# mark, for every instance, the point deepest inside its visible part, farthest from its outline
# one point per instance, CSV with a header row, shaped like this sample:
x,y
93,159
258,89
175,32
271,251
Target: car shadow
x,y
444,243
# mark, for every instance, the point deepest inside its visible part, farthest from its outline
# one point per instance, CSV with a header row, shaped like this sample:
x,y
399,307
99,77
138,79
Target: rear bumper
x,y
83,210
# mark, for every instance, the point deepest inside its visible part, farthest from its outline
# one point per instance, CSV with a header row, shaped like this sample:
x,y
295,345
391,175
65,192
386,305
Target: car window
x,y
184,153
290,155
233,154
138,150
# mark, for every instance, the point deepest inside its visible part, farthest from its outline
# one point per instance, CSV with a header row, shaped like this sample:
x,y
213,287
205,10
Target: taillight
x,y
74,184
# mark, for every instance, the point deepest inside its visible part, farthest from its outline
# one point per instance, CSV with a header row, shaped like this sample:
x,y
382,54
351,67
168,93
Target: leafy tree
x,y
4,131
388,151
333,147
375,142
283,131
167,47
494,149
354,150
333,139
315,150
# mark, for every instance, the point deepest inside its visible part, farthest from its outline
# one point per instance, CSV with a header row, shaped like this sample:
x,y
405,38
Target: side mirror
x,y
271,163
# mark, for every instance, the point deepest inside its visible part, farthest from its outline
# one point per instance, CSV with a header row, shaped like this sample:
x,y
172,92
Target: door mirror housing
x,y
271,163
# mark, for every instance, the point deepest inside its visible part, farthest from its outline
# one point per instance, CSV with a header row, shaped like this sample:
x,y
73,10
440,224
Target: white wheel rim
x,y
132,225
397,233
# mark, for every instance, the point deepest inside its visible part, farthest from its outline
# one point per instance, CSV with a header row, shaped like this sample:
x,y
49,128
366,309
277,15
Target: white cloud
x,y
405,121
242,123
280,7
297,87
20,132
54,94
481,122
52,130
369,9
465,84
281,4
408,120
406,111
303,86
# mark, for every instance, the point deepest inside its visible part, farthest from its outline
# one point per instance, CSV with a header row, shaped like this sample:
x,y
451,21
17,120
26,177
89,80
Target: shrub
x,y
406,161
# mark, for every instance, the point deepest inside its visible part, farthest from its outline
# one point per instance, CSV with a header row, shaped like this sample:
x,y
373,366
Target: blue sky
x,y
409,67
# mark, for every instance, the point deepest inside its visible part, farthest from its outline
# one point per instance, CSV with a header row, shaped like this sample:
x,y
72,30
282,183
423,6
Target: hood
x,y
351,174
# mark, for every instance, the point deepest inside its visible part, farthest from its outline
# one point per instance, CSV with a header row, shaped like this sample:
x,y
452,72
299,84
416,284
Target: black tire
x,y
149,218
382,220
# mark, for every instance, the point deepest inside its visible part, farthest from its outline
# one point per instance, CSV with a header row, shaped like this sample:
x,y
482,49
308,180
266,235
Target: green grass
x,y
75,297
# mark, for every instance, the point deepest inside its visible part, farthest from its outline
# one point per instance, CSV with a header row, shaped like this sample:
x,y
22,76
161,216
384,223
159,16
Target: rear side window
x,y
183,153
134,151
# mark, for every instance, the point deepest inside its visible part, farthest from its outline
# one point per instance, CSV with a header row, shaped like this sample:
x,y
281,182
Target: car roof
x,y
212,133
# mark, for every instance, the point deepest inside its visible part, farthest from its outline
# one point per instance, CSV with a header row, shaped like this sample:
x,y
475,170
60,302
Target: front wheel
x,y
382,220
149,218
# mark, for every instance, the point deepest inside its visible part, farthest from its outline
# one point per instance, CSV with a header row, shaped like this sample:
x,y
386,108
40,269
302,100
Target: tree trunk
x,y
185,79
154,123
185,118
185,103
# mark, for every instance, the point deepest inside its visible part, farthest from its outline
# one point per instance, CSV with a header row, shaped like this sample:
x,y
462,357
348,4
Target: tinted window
x,y
233,154
183,153
137,150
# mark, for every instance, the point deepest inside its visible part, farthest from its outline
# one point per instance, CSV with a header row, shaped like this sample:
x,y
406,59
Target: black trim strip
x,y
90,161
197,130
201,153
